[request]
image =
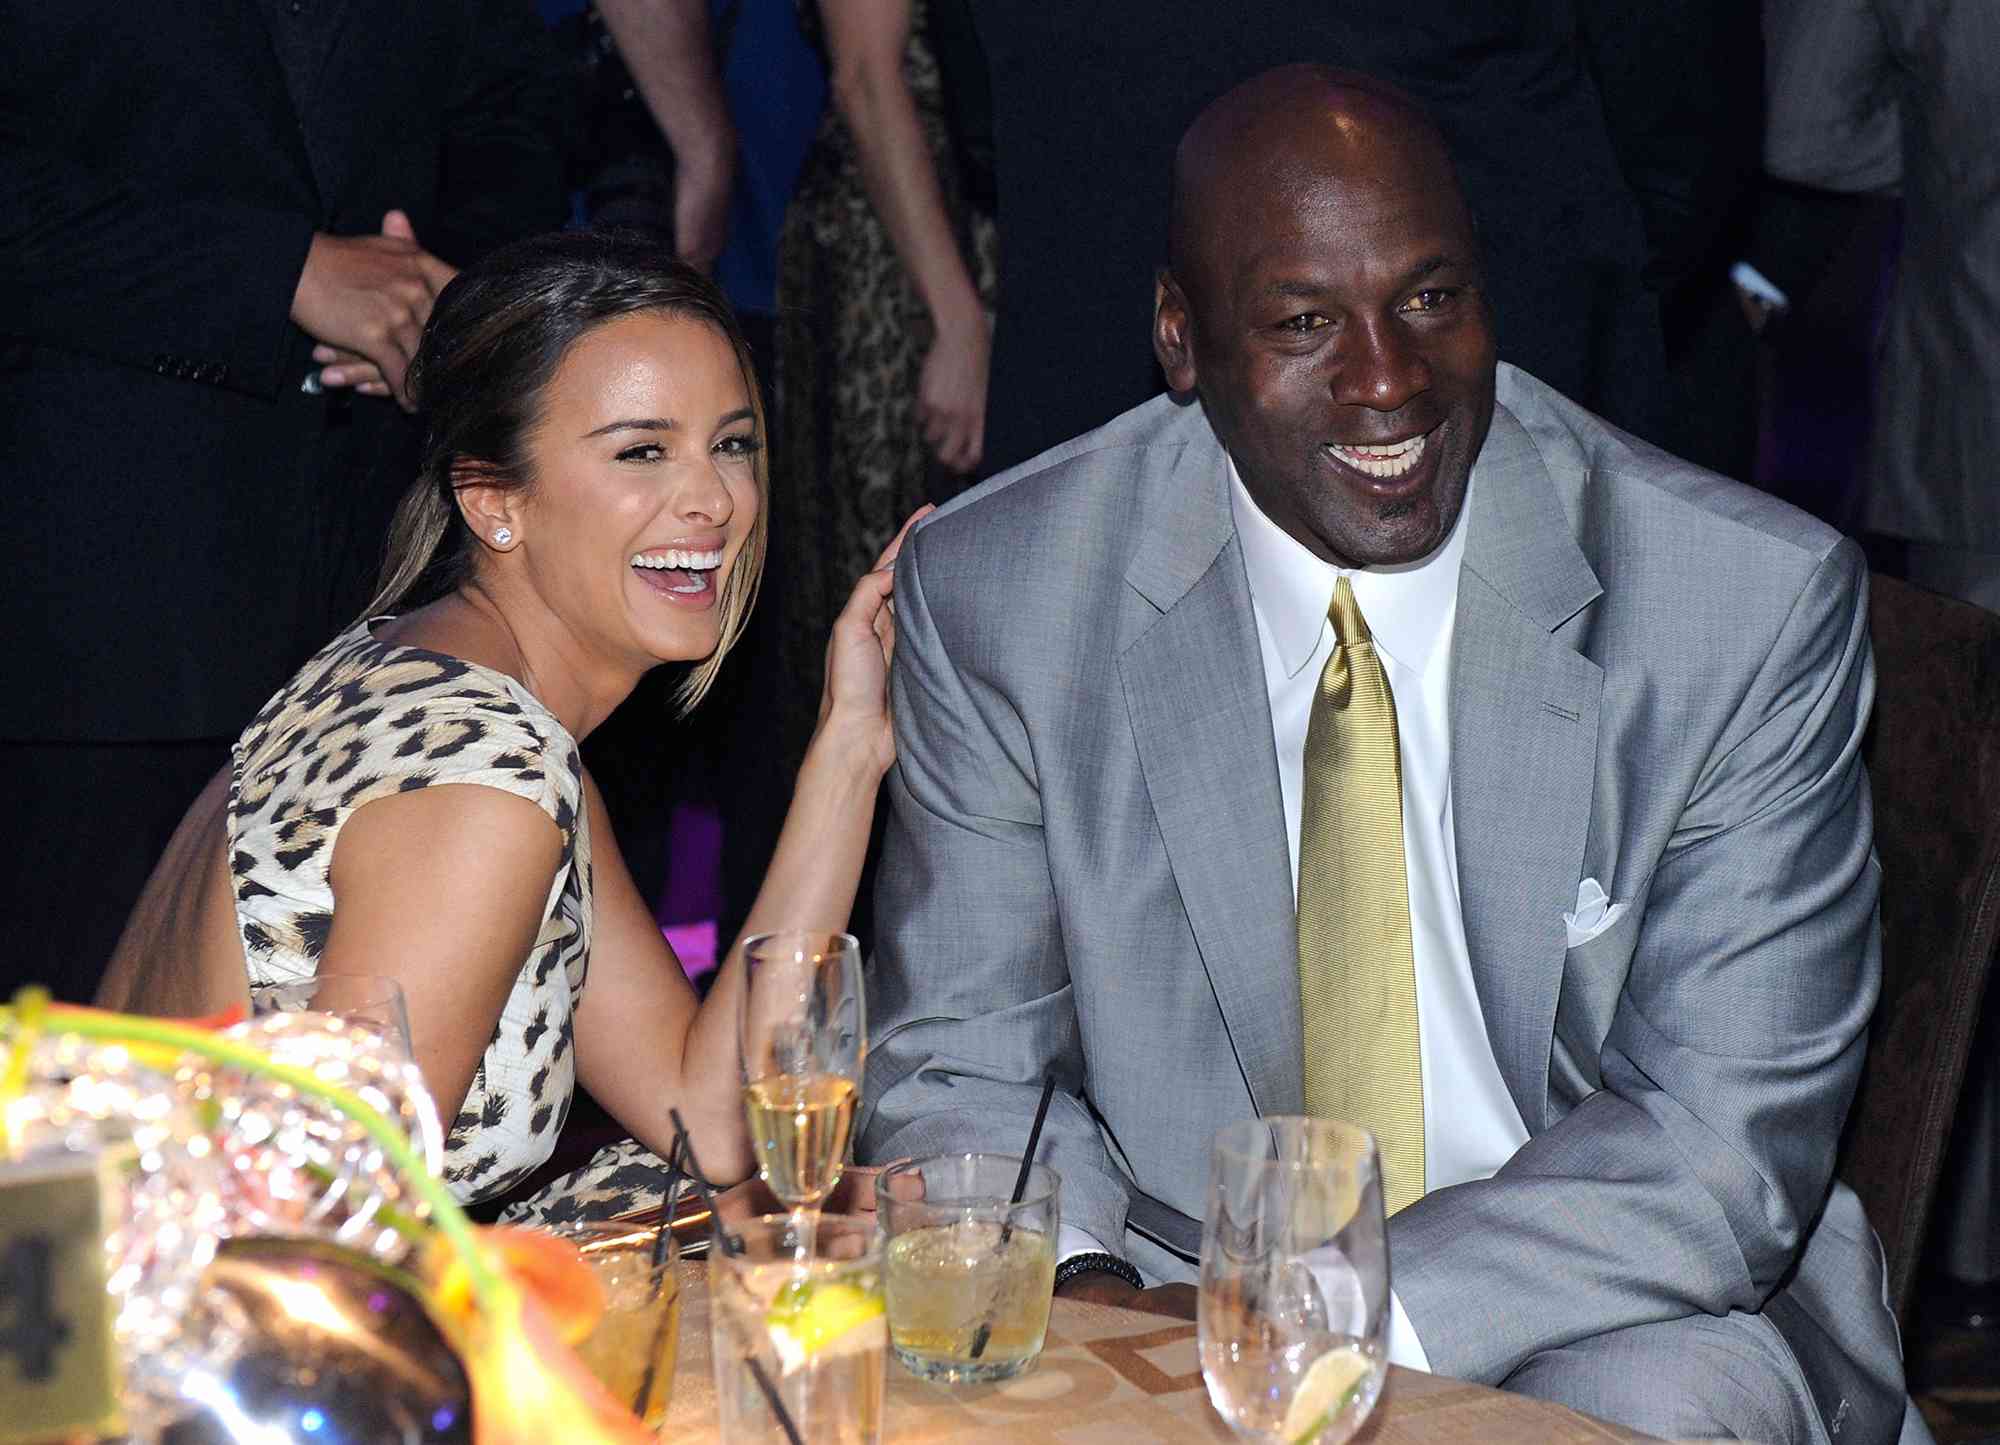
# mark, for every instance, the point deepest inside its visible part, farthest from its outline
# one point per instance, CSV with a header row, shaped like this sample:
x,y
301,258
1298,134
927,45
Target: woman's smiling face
x,y
644,488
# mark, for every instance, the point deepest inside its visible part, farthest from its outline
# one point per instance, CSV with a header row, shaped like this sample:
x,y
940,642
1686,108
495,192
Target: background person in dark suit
x,y
193,199
1598,146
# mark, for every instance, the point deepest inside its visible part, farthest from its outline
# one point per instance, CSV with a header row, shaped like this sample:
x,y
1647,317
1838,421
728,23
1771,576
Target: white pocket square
x,y
1594,913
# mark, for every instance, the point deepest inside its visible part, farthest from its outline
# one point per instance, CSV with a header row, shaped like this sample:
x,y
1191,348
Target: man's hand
x,y
1104,1288
340,367
369,296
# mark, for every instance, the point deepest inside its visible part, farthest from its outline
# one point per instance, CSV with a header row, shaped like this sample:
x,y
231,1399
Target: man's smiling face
x,y
1324,301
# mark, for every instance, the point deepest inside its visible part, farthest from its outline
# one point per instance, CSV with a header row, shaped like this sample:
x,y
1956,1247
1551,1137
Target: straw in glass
x,y
732,1246
985,1330
661,1237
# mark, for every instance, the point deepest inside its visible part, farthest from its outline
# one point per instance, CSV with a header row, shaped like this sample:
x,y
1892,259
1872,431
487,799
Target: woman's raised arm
x,y
631,1054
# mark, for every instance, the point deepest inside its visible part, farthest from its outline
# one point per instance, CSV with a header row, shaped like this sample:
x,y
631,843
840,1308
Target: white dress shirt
x,y
1471,1126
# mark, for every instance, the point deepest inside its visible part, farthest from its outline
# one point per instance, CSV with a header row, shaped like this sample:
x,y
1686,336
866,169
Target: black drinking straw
x,y
985,1330
733,1247
668,1179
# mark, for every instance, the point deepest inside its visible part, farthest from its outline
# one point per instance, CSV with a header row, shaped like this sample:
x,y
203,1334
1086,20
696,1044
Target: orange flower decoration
x,y
528,1387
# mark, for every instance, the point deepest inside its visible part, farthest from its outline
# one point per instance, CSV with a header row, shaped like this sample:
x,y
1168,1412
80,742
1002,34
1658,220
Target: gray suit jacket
x,y
1659,680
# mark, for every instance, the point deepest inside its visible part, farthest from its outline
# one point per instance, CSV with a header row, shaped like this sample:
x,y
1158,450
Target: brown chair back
x,y
1933,753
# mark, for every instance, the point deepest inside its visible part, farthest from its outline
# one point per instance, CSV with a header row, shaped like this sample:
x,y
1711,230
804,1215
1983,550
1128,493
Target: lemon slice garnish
x,y
1329,1385
826,1318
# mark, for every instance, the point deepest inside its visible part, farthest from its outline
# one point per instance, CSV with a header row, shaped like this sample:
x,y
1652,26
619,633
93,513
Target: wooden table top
x,y
1122,1377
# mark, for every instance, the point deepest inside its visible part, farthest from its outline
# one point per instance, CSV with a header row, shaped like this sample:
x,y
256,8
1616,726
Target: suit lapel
x,y
1194,686
1521,693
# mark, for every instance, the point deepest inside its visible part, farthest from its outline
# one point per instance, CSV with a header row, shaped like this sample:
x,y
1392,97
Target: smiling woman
x,y
590,507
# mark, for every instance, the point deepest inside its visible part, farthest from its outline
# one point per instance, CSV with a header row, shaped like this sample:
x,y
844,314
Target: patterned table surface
x,y
1123,1377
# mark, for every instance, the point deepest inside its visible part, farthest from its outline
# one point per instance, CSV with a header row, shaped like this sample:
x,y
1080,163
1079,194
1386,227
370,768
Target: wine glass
x,y
367,1001
804,1033
1294,1305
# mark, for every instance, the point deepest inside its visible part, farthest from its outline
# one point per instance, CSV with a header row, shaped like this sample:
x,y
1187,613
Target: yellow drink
x,y
642,1318
799,1125
949,1283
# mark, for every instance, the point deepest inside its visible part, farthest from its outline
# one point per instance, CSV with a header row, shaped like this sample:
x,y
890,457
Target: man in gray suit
x,y
1628,697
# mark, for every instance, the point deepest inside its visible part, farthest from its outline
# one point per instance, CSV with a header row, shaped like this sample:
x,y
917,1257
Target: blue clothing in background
x,y
776,88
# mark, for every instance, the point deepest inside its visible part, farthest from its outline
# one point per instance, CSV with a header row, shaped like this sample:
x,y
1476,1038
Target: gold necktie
x,y
1357,975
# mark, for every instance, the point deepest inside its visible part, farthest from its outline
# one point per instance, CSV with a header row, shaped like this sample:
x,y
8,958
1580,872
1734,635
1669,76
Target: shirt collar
x,y
1409,607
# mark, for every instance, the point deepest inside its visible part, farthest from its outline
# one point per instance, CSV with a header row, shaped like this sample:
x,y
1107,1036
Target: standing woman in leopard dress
x,y
591,506
886,272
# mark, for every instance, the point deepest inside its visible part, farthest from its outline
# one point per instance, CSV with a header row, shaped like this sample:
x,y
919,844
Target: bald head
x,y
1278,130
1324,303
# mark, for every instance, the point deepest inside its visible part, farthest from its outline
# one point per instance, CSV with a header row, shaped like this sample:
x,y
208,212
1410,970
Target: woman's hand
x,y
854,1194
951,392
855,700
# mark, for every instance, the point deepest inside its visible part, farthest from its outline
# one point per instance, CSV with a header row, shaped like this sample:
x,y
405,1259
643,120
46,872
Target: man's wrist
x,y
1097,1262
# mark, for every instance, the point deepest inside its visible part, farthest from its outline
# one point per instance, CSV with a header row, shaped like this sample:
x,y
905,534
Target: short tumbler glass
x,y
969,1274
636,1342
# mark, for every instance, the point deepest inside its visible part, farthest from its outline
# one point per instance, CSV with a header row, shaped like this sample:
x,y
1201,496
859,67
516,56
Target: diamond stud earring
x,y
502,536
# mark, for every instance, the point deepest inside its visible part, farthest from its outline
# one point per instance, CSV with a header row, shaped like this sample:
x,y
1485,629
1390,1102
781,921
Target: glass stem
x,y
805,1230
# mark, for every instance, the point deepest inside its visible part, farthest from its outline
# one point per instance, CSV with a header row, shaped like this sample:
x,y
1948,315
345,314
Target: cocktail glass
x,y
797,1322
1294,1302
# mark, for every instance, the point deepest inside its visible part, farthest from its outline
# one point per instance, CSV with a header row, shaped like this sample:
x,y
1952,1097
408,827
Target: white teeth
x,y
684,559
1389,461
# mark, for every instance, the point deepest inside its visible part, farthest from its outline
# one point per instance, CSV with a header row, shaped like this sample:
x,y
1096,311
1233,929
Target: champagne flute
x,y
1294,1304
803,1031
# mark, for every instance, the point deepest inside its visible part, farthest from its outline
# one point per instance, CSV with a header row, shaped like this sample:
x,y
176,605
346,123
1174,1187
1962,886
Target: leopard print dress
x,y
367,719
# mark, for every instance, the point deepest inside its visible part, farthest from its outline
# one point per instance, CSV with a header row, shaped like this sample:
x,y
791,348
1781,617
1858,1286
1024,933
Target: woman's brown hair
x,y
495,338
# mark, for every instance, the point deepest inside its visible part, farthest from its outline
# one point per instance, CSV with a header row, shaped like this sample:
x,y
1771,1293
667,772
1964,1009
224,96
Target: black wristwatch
x,y
1078,1264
